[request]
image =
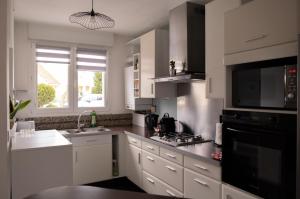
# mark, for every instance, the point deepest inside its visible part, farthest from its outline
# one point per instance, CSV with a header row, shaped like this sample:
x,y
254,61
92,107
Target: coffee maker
x,y
151,120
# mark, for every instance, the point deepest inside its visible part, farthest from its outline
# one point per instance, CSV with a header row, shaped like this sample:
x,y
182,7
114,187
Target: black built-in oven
x,y
270,84
259,153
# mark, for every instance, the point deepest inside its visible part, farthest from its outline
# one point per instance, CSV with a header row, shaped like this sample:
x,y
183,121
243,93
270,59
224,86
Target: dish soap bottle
x,y
93,121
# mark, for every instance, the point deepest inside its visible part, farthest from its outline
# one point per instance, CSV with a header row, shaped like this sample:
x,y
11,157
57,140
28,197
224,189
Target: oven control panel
x,y
291,86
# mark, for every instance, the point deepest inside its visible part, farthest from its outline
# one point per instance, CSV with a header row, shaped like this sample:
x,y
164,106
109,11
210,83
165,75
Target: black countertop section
x,y
198,151
87,192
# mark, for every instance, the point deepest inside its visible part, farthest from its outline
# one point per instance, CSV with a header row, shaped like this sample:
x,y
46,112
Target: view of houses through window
x,y
53,65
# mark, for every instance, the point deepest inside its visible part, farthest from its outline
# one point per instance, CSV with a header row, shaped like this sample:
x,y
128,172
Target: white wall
x,y
24,64
6,42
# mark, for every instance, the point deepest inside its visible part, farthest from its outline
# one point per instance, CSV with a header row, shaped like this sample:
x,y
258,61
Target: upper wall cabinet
x,y
154,47
214,44
259,24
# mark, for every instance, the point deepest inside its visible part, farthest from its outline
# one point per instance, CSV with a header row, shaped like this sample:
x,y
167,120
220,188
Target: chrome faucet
x,y
80,126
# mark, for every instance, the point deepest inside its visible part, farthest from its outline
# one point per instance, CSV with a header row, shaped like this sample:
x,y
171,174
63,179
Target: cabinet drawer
x,y
150,163
153,185
167,190
203,167
165,170
229,192
171,155
150,147
171,173
91,140
134,141
150,184
199,186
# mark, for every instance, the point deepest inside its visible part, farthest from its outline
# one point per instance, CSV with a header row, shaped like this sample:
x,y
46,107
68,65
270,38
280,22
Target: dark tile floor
x,y
122,183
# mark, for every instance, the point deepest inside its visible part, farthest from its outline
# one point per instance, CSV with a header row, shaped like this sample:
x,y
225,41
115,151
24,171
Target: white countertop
x,y
39,139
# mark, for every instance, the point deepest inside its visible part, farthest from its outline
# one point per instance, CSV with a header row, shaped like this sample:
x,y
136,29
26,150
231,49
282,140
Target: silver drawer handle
x,y
200,182
171,168
170,193
91,140
150,147
200,167
170,155
258,37
133,140
149,158
150,180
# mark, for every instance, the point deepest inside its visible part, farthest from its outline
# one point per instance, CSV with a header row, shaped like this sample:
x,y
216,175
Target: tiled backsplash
x,y
70,122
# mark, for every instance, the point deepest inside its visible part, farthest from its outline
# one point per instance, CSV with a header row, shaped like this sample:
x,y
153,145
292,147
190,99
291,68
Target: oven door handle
x,y
241,131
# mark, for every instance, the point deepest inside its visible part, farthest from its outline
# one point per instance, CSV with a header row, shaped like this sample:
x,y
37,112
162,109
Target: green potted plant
x,y
14,107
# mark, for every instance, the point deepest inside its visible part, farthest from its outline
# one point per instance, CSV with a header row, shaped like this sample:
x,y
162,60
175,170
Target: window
x,y
55,86
52,77
91,67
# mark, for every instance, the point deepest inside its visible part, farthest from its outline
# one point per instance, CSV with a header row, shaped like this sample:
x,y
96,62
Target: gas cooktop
x,y
179,139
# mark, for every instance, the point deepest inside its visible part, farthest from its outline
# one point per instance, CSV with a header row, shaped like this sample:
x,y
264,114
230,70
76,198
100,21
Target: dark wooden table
x,y
87,192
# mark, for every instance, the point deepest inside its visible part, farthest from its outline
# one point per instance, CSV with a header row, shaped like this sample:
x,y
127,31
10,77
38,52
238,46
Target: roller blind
x,y
50,54
87,59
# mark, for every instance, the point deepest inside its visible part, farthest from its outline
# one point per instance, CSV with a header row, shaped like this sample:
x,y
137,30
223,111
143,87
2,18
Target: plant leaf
x,y
21,105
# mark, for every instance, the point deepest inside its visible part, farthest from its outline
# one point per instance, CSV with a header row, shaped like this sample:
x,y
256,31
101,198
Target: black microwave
x,y
270,84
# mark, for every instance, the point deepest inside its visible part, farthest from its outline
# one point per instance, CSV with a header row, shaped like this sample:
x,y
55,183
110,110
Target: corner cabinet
x,y
214,39
154,47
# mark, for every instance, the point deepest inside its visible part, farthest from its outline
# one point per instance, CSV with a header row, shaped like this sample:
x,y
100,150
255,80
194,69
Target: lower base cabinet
x,y
230,192
92,158
153,185
133,165
92,163
198,186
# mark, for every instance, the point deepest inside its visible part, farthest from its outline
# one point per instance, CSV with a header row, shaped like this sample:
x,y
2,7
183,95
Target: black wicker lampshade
x,y
92,20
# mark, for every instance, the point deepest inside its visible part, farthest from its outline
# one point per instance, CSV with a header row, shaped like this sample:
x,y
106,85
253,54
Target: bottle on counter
x,y
93,119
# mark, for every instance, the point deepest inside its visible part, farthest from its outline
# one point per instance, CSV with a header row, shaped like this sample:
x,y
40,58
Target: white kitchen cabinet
x,y
131,101
92,159
133,164
229,192
154,47
260,24
153,185
198,186
167,171
214,44
40,161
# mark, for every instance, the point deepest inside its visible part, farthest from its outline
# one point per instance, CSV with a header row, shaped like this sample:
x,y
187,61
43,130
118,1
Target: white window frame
x,y
73,82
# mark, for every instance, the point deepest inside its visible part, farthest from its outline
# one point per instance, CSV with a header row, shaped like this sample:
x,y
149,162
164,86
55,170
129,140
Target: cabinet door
x,y
260,24
129,88
214,38
232,193
148,65
200,187
133,165
92,163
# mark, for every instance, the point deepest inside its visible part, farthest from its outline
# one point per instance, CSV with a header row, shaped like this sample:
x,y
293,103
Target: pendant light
x,y
92,20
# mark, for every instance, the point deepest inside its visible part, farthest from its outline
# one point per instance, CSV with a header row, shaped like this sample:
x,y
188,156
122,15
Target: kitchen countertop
x,y
201,151
39,139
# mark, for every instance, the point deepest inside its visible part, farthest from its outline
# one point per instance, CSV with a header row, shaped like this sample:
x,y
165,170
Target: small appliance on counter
x,y
167,124
151,120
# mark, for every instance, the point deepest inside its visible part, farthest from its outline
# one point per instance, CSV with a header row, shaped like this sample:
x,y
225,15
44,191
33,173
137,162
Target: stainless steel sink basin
x,y
88,130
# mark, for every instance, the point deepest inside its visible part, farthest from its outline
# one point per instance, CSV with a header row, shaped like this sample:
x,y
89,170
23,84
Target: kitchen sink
x,y
88,130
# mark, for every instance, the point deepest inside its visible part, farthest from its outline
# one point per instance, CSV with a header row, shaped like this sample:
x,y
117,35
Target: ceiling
x,y
132,16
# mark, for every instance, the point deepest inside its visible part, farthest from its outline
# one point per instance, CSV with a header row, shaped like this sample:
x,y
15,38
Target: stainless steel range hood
x,y
182,78
187,43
